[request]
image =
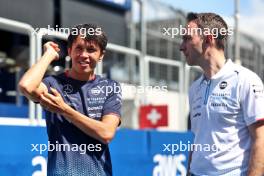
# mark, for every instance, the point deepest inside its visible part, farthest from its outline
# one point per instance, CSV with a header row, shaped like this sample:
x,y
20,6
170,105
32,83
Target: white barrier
x,y
23,28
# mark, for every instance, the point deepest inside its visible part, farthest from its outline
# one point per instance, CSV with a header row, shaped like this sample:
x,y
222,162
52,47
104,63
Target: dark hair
x,y
211,21
91,32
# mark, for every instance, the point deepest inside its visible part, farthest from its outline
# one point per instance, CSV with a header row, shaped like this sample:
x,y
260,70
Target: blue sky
x,y
222,7
251,12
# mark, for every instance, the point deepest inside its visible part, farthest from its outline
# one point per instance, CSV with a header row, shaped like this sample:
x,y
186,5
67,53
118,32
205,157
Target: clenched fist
x,y
52,48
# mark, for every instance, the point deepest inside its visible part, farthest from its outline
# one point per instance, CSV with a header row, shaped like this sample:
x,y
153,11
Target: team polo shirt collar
x,y
94,80
225,69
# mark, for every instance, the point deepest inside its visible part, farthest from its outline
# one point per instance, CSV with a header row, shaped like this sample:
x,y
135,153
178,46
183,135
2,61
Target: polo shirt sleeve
x,y
113,102
252,99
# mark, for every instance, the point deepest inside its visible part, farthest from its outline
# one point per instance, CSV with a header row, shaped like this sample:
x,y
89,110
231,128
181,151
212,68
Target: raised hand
x,y
52,48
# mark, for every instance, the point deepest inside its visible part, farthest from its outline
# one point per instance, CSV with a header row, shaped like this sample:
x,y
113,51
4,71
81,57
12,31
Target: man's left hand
x,y
53,102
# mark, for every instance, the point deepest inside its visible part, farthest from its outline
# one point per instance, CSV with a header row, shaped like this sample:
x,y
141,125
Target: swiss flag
x,y
153,116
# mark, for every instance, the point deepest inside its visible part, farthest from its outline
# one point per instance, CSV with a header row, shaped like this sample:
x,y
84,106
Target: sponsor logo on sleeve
x,y
258,90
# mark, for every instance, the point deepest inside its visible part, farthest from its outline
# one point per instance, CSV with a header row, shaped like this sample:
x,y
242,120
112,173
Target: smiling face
x,y
192,45
85,55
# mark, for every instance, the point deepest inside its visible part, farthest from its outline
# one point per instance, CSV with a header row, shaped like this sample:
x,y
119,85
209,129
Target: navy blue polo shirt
x,y
71,151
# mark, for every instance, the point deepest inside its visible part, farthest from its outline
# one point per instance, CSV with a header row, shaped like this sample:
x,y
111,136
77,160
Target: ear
x,y
209,40
102,55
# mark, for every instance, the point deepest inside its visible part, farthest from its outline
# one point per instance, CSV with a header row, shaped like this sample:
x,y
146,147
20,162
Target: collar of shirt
x,y
225,69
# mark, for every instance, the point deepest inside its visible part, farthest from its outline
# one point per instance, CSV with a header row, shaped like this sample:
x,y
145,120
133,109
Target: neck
x,y
81,77
213,63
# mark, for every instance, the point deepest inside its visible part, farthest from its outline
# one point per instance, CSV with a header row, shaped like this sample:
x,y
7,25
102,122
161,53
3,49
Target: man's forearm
x,y
94,128
256,165
33,77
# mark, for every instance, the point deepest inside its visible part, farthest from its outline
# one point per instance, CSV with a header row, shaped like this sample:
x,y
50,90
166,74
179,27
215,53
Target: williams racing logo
x,y
258,90
223,85
107,90
96,91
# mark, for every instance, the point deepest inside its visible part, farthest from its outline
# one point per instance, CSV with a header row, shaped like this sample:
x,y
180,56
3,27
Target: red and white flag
x,y
153,116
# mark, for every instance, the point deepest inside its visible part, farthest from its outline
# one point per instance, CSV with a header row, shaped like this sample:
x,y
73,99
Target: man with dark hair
x,y
82,109
226,104
214,24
